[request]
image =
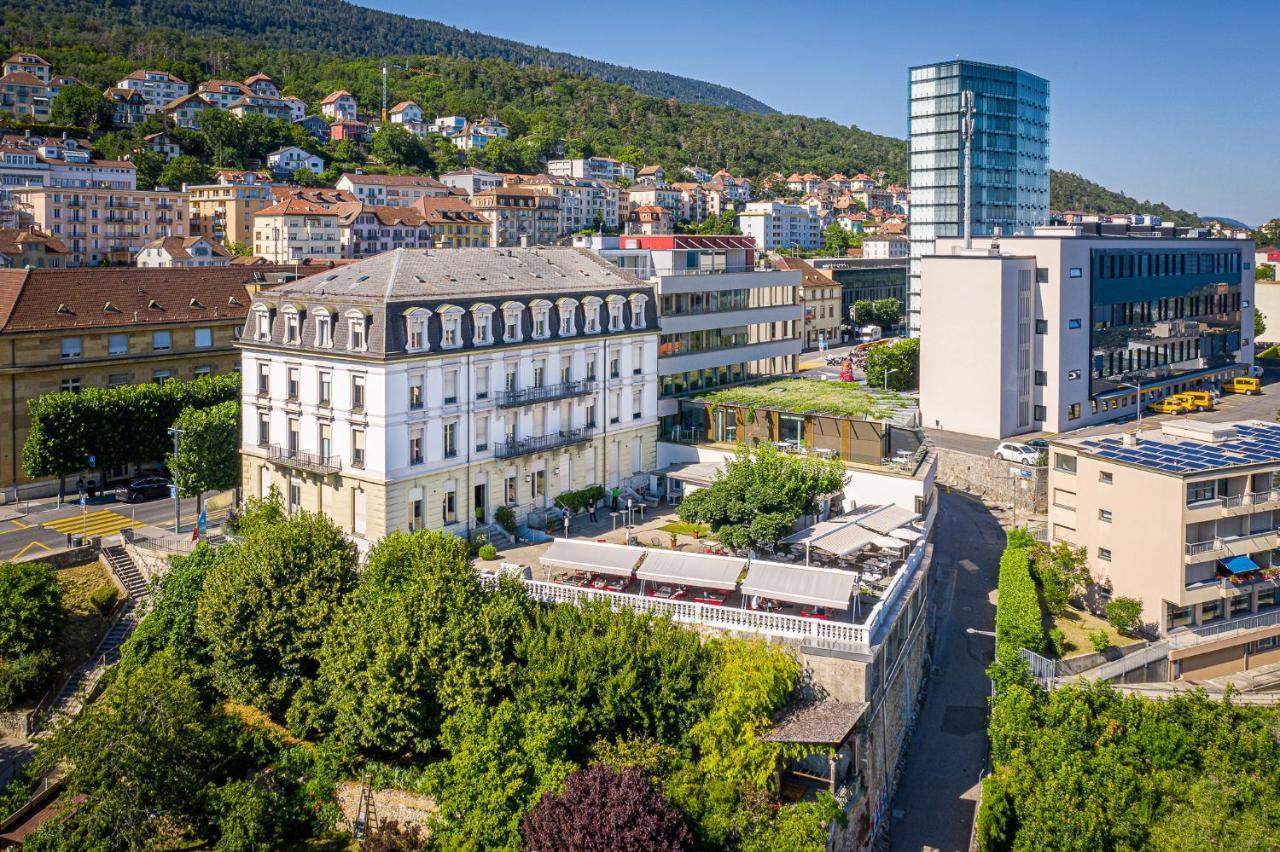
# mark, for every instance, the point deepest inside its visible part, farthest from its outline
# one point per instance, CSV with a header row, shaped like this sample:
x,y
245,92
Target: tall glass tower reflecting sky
x,y
1010,156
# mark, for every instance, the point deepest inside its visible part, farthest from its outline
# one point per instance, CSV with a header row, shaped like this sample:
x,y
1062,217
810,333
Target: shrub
x,y
104,598
577,501
1058,641
1124,614
1018,618
488,552
505,518
1101,641
602,807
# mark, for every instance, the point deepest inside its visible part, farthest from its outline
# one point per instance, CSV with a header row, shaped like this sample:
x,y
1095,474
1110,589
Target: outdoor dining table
x,y
710,598
668,592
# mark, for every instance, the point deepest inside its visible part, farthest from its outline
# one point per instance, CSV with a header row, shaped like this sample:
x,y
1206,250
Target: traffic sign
x,y
82,499
173,491
93,461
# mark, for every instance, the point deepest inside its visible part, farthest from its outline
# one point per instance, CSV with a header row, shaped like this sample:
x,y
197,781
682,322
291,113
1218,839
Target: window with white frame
x,y
615,313
451,328
567,308
511,332
638,301
262,323
482,319
541,319
204,338
71,347
356,341
449,439
450,386
482,433
291,325
416,392
482,382
324,329
416,329
161,341
591,315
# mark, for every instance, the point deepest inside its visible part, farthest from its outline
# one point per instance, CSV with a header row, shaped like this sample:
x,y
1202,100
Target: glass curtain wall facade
x,y
1010,159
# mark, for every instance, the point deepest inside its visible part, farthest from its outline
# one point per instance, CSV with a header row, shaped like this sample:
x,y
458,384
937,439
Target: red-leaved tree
x,y
603,809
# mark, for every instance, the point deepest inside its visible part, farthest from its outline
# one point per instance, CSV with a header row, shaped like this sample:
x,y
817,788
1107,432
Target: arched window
x,y
292,324
482,319
541,310
638,301
567,309
357,331
261,322
324,326
512,312
450,326
415,329
591,315
615,312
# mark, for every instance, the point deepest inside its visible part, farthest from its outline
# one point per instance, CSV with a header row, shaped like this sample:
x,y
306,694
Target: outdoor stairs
x,y
124,569
71,697
496,535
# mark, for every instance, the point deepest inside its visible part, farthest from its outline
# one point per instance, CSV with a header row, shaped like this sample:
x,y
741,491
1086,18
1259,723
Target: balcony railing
x,y
1194,548
545,393
525,446
305,461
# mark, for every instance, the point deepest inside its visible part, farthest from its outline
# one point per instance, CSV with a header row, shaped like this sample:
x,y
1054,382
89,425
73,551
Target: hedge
x,y
1019,622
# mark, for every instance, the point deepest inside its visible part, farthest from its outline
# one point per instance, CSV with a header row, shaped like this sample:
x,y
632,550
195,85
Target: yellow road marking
x,y
18,528
102,522
30,545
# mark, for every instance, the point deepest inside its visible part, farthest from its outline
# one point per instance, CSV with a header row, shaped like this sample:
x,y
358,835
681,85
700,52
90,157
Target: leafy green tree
x,y
415,639
1062,572
1264,272
150,166
31,614
208,457
267,606
303,176
760,494
220,131
836,241
896,365
170,625
396,146
81,106
183,170
798,827
886,312
1259,323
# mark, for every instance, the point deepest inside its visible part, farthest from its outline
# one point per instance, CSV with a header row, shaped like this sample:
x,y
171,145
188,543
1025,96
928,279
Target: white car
x,y
1012,451
1255,372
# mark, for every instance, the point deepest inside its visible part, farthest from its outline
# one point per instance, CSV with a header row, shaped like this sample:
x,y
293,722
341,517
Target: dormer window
x,y
262,328
415,322
591,315
638,301
324,329
511,312
356,337
450,327
482,319
541,319
567,309
615,313
291,325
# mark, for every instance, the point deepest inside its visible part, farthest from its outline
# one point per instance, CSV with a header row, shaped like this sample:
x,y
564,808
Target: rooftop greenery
x,y
812,396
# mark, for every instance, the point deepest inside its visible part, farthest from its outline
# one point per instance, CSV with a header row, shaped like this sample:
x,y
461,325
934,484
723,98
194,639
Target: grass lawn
x,y
683,528
1077,624
84,626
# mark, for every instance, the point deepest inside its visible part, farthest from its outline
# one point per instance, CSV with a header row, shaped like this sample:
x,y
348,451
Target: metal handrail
x,y
305,460
524,446
544,393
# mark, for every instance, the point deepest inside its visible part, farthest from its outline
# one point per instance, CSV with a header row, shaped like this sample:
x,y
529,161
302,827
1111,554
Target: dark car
x,y
1039,444
147,488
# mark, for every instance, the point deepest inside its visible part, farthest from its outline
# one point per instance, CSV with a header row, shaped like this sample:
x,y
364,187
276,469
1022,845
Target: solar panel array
x,y
1257,443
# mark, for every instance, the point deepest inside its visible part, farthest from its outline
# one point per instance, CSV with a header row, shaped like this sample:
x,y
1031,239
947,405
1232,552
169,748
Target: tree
x,y
1124,614
417,637
303,176
266,607
150,166
760,494
1264,272
31,614
1063,573
886,312
396,146
798,827
605,808
896,365
1259,323
221,133
170,625
208,457
836,241
81,106
183,170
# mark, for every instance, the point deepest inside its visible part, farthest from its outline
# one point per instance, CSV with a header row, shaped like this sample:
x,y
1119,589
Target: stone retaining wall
x,y
60,559
399,806
995,480
16,723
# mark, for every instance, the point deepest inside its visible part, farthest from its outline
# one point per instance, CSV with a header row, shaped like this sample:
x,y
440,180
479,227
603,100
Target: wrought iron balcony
x,y
313,462
525,446
546,393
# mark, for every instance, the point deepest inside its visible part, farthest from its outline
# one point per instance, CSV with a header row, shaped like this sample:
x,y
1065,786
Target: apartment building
x,y
339,106
774,225
454,223
367,230
104,225
186,111
188,252
28,63
391,190
519,216
287,160
25,95
592,168
222,93
820,296
427,388
1010,153
662,195
70,329
30,161
886,247
252,104
30,247
723,320
1072,326
224,211
1185,517
128,107
295,230
158,88
471,180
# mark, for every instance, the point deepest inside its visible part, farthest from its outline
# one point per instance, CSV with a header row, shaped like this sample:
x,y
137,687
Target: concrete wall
x,y
1266,298
993,479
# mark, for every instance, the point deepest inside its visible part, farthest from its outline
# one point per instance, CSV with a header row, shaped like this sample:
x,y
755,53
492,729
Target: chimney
x,y
524,241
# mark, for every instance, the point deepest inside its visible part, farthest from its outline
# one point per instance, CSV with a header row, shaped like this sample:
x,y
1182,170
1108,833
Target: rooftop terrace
x,y
814,396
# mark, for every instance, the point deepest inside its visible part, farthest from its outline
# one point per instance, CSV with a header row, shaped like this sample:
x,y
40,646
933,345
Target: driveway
x,y
935,803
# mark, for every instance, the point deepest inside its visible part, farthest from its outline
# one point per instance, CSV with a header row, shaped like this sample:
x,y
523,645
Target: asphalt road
x,y
937,796
46,527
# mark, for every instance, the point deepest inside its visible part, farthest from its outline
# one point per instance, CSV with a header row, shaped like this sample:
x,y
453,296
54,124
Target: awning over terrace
x,y
800,584
887,519
846,539
692,569
598,557
1240,564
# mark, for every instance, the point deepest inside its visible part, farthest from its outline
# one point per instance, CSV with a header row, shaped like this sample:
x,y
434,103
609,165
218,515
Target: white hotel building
x,y
426,388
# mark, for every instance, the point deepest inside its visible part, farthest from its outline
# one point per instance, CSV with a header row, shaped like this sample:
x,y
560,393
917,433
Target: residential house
x,y
519,216
737,190
447,125
185,111
699,174
471,180
296,231
315,126
28,63
104,225
223,93
654,174
298,110
391,190
287,160
366,230
339,106
171,252
406,112
160,143
128,106
424,389
31,248
477,134
60,82
158,88
263,86
258,105
348,128
651,220
25,95
223,211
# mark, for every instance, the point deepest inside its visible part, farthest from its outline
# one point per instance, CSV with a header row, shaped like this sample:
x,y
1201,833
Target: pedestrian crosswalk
x,y
91,524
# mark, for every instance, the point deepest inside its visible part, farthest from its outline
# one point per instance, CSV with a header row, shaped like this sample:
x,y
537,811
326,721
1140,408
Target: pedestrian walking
x,y
565,516
593,509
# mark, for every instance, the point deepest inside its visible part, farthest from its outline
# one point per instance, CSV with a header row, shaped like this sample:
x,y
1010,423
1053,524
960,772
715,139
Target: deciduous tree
x,y
208,457
81,106
896,365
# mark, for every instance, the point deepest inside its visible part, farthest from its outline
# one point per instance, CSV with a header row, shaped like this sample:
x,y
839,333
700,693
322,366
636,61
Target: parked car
x,y
147,488
1243,384
1040,445
1197,400
1255,372
1013,451
1175,404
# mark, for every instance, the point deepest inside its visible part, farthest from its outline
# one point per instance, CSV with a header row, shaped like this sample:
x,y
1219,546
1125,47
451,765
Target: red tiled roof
x,y
448,209
333,96
295,207
394,180
180,246
25,59
141,74
321,195
22,78
13,239
402,106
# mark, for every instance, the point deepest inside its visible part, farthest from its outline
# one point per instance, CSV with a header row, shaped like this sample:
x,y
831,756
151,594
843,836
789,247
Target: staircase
x,y
124,569
71,697
496,536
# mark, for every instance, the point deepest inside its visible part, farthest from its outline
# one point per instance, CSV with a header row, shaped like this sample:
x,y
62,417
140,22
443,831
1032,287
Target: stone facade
x,y
994,479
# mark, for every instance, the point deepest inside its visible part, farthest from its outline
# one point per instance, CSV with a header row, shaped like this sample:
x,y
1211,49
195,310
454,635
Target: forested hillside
x,y
345,29
541,104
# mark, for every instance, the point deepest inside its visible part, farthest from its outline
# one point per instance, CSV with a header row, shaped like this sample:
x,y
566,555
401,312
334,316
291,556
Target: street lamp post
x,y
177,500
1138,388
887,371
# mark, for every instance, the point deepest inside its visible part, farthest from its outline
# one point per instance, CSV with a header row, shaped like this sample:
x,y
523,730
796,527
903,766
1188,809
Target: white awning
x,y
848,538
814,532
888,542
599,557
692,569
694,473
800,584
906,534
888,518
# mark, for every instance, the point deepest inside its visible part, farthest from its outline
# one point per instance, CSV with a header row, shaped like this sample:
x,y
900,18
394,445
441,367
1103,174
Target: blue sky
x,y
1170,101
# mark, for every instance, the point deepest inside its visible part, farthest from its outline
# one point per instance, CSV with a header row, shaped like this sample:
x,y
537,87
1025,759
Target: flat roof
x,y
1186,446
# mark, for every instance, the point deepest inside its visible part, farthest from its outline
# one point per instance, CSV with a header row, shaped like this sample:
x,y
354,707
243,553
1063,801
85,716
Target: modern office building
x,y
1010,156
425,388
1062,328
864,280
1184,517
723,319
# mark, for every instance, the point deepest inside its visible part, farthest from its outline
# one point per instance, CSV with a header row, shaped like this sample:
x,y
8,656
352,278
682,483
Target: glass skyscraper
x,y
1010,157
